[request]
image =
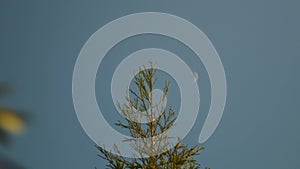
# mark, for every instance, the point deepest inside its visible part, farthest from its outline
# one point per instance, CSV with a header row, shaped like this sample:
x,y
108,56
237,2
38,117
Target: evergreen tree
x,y
153,153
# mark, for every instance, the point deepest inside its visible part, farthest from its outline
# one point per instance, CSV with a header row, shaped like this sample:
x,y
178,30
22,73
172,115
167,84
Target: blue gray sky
x,y
258,43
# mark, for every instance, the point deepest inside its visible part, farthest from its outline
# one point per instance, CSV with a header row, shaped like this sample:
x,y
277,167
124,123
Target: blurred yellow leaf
x,y
10,122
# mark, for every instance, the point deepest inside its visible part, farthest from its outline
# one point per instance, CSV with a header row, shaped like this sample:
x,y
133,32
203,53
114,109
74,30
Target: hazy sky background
x,y
258,42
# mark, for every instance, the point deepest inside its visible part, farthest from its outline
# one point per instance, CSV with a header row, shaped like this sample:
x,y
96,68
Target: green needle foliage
x,y
153,145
